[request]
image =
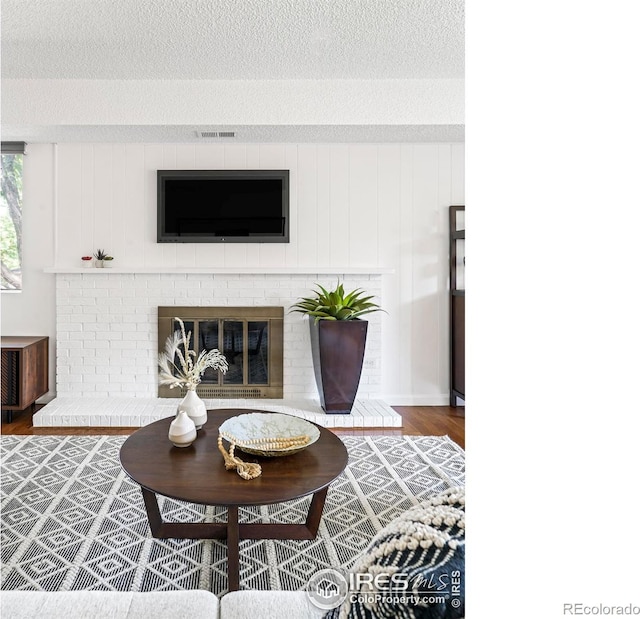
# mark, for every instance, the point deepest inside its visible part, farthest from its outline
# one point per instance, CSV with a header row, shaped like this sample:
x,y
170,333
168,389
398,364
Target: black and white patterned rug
x,y
72,520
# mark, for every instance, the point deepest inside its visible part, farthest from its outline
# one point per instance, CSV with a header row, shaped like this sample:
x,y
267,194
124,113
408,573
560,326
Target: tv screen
x,y
223,206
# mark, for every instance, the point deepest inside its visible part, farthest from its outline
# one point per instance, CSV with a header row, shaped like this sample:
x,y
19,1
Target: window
x,y
11,216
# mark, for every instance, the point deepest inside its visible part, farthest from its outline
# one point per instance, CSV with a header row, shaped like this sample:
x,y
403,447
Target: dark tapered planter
x,y
337,347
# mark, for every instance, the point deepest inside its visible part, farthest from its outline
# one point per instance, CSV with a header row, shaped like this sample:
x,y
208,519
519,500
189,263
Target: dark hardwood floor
x,y
416,420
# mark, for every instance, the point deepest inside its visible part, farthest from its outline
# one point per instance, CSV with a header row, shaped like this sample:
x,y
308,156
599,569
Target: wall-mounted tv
x,y
223,206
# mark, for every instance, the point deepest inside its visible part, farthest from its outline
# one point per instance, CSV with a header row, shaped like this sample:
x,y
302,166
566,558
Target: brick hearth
x,y
137,412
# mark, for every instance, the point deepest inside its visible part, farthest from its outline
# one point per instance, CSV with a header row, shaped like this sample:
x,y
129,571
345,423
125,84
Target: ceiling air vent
x,y
216,134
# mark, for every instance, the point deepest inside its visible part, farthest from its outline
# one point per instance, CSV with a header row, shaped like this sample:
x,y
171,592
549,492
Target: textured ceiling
x,y
234,40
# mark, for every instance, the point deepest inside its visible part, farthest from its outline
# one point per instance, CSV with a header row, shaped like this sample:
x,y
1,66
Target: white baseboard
x,y
417,400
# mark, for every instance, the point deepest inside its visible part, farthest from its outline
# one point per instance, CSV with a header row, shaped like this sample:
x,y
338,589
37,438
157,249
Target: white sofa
x,y
156,605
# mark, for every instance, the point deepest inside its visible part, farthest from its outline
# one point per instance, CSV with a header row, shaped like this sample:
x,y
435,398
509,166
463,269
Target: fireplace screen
x,y
249,337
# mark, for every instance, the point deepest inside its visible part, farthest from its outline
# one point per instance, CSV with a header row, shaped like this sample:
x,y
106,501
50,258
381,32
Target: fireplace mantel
x,y
324,270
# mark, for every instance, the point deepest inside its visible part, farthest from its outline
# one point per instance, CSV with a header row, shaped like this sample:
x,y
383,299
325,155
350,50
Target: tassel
x,y
246,470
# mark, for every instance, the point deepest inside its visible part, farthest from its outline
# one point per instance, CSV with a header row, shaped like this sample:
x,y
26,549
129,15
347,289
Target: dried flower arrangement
x,y
188,372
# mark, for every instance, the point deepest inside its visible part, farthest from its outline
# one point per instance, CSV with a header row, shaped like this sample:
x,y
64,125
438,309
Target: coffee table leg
x,y
315,511
233,548
153,512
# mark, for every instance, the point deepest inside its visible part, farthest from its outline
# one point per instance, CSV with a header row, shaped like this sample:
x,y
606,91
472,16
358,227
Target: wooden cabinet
x,y
25,372
456,303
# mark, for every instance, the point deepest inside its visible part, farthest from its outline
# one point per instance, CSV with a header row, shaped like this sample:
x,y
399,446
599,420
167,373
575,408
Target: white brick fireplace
x,y
107,325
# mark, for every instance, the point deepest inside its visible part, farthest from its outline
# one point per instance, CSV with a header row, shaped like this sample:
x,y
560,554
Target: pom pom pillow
x,y
414,567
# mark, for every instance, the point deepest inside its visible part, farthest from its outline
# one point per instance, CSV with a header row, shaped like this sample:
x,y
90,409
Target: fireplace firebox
x,y
251,339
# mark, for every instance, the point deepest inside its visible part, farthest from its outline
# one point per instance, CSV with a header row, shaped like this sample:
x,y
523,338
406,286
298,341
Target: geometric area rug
x,y
71,519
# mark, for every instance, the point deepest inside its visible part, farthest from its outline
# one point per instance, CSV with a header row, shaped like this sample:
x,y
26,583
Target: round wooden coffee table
x,y
197,474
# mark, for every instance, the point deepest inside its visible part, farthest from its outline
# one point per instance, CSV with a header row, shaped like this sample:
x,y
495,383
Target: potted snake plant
x,y
338,339
100,255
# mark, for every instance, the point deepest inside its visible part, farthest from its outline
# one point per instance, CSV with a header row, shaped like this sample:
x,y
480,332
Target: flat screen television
x,y
223,206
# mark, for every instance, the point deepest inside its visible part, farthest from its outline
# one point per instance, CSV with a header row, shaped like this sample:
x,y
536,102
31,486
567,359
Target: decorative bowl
x,y
269,434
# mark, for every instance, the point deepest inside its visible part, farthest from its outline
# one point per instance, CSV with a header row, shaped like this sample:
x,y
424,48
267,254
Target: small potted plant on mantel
x,y
86,261
101,255
338,338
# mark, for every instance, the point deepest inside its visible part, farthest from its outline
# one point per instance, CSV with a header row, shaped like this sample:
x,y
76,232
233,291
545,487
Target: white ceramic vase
x,y
195,408
99,264
182,431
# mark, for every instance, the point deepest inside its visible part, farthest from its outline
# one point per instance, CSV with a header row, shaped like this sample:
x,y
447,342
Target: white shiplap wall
x,y
352,205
